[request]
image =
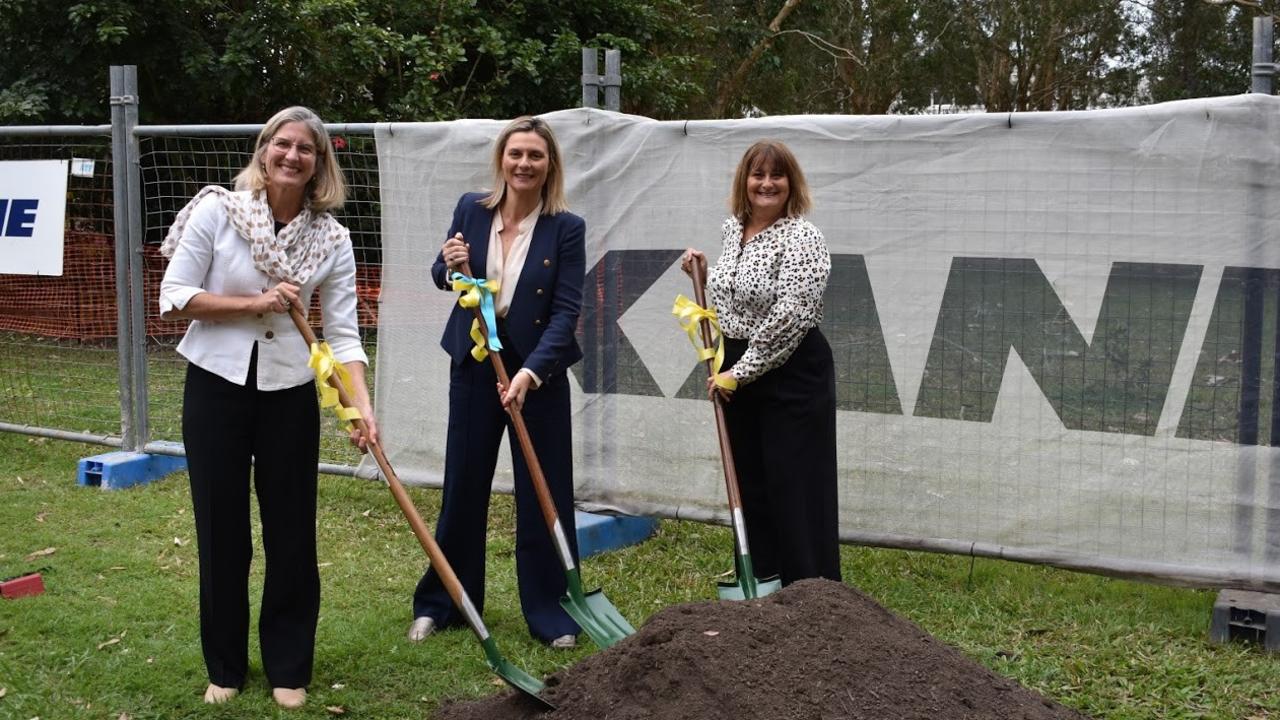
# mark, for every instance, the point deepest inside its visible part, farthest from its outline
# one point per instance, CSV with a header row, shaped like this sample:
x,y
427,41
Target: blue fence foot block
x,y
601,533
118,470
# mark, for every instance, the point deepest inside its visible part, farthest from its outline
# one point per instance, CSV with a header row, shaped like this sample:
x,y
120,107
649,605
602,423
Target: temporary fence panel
x,y
58,333
176,162
1045,325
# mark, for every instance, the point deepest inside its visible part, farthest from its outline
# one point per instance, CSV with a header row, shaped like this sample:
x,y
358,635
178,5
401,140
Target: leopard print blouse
x,y
769,292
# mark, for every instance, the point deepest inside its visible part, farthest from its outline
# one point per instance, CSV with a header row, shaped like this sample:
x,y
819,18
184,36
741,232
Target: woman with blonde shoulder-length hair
x,y
521,234
238,261
778,375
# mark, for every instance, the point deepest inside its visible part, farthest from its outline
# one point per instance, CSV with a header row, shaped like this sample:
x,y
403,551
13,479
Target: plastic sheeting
x,y
1054,332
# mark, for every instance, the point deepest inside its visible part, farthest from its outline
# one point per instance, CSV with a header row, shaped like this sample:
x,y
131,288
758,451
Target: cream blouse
x,y
507,270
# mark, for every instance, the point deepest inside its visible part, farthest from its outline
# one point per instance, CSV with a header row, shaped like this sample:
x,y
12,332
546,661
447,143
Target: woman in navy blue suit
x,y
521,234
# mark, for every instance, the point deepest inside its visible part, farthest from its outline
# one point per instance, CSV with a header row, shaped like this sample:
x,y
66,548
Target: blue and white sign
x,y
33,205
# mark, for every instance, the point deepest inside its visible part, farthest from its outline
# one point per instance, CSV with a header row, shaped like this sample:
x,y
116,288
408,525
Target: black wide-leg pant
x,y
476,424
227,429
782,428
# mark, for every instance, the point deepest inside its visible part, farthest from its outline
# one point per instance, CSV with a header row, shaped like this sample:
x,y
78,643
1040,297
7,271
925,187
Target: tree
x,y
220,61
351,60
1040,54
1198,49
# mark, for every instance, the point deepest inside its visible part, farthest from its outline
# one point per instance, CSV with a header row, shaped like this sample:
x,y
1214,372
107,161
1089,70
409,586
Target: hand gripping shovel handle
x,y
514,676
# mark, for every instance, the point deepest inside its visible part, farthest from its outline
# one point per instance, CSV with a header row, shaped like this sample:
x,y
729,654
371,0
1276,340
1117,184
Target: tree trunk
x,y
730,88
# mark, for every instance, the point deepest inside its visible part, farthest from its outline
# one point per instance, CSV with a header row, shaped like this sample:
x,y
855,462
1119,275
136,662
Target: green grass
x,y
125,570
74,386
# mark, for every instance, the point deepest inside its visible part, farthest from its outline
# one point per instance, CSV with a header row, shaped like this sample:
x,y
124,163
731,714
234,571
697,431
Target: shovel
x,y
514,676
593,612
746,587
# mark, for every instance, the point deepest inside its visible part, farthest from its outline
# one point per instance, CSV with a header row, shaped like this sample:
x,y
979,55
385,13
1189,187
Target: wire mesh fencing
x,y
174,168
58,334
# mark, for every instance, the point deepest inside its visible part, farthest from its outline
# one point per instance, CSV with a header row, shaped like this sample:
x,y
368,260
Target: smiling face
x,y
768,189
289,157
525,162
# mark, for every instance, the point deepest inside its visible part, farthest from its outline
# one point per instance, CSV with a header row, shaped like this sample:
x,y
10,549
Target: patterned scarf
x,y
291,256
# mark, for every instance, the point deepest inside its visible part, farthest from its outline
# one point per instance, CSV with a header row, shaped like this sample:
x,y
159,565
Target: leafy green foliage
x,y
373,60
1198,49
351,60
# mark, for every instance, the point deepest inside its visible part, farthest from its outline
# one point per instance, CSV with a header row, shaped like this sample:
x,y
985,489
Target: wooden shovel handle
x,y
540,487
726,450
436,555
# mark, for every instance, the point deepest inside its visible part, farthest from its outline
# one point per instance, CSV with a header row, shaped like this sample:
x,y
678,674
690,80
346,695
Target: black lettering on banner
x,y
864,378
851,324
1230,398
610,363
1116,383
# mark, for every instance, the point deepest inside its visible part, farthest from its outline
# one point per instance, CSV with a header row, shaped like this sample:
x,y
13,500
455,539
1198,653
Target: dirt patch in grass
x,y
817,650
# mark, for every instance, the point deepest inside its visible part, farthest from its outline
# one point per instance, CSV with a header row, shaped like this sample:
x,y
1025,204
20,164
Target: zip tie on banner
x,y
326,366
689,313
479,292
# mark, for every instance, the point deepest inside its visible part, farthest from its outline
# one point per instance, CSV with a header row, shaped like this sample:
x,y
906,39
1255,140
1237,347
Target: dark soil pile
x,y
817,650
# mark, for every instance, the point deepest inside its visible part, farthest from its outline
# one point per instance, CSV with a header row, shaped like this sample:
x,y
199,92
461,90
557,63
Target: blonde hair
x,y
553,200
326,189
772,154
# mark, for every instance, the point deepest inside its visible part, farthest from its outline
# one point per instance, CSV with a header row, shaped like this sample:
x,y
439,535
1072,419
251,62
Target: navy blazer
x,y
543,318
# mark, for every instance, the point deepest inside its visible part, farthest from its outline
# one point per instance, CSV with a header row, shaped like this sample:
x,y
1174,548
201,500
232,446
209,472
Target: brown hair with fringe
x,y
769,154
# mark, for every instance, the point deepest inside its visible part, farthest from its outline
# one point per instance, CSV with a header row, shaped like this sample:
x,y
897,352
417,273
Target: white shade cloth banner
x,y
1054,333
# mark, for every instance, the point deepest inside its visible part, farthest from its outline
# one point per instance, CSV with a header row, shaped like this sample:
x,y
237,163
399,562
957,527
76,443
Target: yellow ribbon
x,y
480,351
689,314
479,293
326,366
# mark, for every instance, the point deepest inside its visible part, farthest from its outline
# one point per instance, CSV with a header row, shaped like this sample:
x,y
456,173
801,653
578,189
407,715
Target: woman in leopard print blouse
x,y
767,287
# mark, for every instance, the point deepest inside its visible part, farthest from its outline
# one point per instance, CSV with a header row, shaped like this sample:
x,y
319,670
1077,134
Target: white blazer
x,y
212,257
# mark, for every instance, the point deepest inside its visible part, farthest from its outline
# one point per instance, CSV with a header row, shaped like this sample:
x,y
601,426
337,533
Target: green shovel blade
x,y
514,676
747,587
593,612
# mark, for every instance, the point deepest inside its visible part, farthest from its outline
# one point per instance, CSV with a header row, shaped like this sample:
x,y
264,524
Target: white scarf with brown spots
x,y
291,256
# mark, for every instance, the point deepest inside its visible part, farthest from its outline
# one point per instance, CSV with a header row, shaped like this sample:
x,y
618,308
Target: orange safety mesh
x,y
81,304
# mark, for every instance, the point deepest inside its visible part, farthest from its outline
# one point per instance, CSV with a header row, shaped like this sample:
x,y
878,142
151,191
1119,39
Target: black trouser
x,y
476,424
783,431
227,428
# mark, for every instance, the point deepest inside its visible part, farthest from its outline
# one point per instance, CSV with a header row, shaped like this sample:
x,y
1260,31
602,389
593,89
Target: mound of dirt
x,y
816,650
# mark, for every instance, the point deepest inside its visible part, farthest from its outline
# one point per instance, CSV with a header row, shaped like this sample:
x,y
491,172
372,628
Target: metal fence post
x,y
590,78
122,96
613,80
1253,300
1264,70
593,81
137,286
